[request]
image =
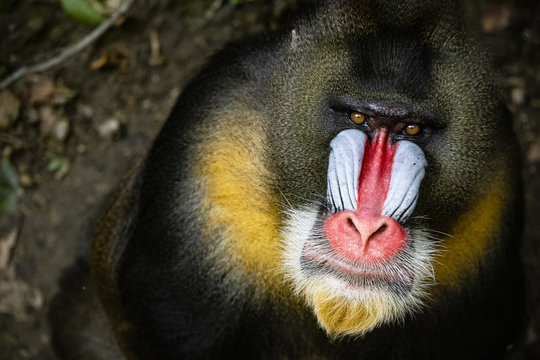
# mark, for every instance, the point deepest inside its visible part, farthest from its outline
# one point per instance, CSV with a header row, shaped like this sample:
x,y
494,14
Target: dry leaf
x,y
497,18
45,90
7,243
9,108
62,94
155,54
113,59
42,90
534,152
47,118
100,62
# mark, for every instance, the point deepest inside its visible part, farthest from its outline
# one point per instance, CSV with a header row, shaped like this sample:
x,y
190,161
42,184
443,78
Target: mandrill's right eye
x,y
357,117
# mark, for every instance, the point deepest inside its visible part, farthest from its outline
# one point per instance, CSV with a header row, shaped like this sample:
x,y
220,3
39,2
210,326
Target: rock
x,y
17,299
109,128
60,129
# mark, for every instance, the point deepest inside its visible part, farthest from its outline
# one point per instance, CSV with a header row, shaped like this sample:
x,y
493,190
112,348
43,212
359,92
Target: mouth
x,y
317,259
312,263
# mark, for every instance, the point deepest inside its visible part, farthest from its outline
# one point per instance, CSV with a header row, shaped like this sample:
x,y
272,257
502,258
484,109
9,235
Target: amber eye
x,y
412,129
357,117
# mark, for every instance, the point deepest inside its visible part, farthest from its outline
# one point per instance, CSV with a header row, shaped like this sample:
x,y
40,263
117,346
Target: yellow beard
x,y
340,315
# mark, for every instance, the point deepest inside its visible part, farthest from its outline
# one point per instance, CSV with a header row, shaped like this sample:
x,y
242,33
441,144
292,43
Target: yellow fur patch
x,y
340,316
239,201
464,250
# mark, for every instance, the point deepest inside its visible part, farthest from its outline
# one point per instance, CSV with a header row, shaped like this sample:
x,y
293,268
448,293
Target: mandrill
x,y
345,189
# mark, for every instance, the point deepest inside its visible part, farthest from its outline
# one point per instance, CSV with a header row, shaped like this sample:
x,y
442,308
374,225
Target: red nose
x,y
364,236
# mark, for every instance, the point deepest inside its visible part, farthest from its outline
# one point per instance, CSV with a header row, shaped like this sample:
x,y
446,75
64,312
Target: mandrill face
x,y
353,256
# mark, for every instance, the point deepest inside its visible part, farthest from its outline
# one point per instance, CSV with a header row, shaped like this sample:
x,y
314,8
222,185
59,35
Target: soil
x,y
72,132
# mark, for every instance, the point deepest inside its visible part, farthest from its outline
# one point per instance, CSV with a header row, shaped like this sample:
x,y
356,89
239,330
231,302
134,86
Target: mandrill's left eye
x,y
413,129
357,117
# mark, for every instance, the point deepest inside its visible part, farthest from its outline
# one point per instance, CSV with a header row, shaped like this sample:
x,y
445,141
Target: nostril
x,y
379,231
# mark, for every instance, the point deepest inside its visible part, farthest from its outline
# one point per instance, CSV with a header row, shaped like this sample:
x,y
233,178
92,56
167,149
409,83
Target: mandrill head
x,y
371,172
377,145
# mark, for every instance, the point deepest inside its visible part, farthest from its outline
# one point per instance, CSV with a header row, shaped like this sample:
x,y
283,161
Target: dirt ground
x,y
72,132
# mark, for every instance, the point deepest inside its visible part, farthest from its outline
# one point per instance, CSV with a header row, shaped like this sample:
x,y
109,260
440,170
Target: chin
x,y
353,297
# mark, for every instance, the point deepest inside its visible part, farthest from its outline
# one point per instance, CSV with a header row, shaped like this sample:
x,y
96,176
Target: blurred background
x,y
68,134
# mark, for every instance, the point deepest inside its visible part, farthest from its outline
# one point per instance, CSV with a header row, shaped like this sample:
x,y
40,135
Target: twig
x,y
70,50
